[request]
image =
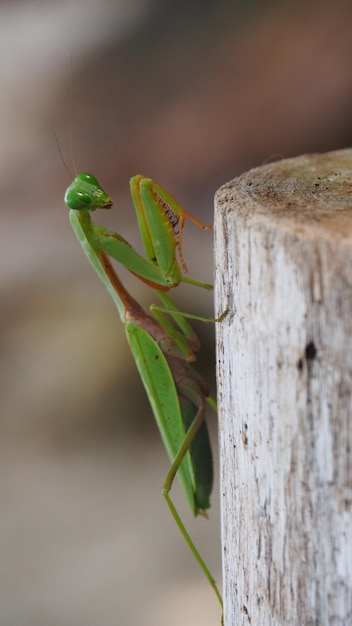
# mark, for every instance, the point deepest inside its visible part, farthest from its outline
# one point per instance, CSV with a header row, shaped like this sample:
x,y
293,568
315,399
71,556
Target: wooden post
x,y
283,242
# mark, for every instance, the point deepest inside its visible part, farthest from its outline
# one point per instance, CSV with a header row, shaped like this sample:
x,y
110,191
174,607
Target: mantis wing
x,y
163,397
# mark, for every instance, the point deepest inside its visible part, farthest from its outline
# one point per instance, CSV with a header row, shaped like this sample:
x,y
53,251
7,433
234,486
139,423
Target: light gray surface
x,y
284,256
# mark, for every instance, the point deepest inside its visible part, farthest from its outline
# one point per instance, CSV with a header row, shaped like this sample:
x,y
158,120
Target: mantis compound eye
x,y
78,200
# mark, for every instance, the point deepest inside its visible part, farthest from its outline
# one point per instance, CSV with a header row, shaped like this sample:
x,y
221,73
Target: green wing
x,y
163,397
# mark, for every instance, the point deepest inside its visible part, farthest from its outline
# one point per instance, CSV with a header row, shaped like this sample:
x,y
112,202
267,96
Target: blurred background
x,y
191,93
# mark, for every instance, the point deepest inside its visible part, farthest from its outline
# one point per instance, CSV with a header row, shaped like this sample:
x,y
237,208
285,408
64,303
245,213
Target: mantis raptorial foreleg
x,y
160,220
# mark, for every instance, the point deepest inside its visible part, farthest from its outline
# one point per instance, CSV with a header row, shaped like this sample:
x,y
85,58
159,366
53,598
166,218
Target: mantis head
x,y
85,194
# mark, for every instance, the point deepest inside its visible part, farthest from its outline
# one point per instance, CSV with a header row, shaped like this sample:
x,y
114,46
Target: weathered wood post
x,y
283,241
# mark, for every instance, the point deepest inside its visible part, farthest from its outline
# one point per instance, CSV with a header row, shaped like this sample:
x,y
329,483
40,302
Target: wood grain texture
x,y
283,241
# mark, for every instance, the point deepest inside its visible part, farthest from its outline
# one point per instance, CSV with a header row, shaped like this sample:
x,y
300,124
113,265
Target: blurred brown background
x,y
190,93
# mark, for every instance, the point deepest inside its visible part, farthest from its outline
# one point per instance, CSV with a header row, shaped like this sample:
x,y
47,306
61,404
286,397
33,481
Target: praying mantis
x,y
163,343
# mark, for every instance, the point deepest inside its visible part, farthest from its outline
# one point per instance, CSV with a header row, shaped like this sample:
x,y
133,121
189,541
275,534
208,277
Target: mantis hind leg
x,y
189,438
191,545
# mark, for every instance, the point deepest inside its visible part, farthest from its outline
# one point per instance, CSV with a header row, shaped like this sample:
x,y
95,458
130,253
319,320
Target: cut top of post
x,y
311,194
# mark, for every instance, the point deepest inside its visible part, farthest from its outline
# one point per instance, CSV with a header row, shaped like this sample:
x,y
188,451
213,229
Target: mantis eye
x,y
78,200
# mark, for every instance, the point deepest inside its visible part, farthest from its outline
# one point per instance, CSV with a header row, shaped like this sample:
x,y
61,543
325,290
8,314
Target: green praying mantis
x,y
163,343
